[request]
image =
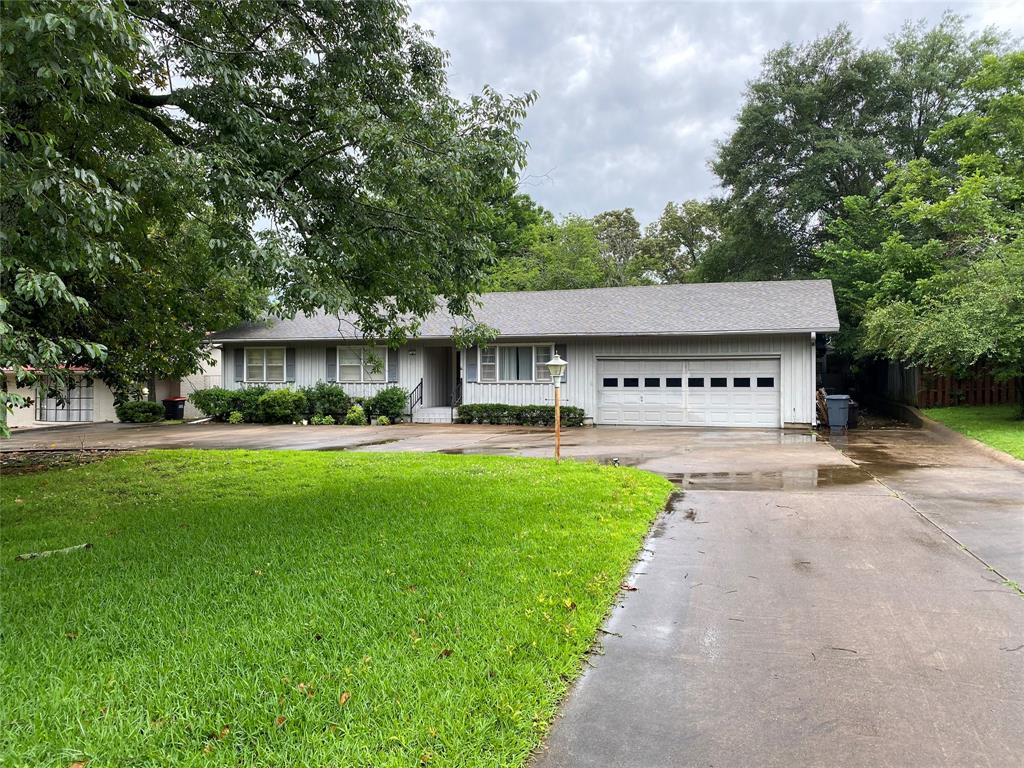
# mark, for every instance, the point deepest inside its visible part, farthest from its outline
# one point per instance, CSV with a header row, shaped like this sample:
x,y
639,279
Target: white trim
x,y
497,363
264,380
362,348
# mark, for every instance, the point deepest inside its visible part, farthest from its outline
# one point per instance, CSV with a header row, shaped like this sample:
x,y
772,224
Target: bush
x,y
281,406
248,402
390,403
216,402
383,421
318,421
356,416
325,399
523,415
139,411
235,417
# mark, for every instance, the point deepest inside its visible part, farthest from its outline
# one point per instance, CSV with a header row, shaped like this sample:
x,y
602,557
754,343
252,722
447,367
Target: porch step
x,y
439,415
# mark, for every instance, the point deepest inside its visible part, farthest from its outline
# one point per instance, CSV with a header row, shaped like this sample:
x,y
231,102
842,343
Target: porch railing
x,y
456,396
416,397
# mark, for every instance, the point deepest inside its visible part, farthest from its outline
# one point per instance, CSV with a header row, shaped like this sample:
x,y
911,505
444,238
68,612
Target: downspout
x,y
814,379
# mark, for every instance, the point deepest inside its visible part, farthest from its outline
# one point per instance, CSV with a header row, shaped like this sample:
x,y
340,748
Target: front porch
x,y
439,392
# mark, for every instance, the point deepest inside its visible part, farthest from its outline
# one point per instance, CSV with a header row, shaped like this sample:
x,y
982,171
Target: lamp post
x,y
556,367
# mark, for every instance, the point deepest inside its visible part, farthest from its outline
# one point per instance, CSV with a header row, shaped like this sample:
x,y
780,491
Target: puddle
x,y
356,446
784,480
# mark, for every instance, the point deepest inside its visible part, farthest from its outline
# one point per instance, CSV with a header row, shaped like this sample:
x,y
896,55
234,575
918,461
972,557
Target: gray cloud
x,y
634,96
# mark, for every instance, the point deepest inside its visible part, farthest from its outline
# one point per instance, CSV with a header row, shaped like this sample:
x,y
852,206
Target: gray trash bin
x,y
838,411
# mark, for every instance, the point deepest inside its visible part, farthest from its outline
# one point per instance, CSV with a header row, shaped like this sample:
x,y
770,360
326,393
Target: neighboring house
x,y
704,354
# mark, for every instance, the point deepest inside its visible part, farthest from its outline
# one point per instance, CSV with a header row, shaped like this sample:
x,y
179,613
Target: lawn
x,y
996,425
299,608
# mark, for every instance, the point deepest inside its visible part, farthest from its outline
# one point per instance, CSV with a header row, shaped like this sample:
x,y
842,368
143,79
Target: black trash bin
x,y
174,407
838,411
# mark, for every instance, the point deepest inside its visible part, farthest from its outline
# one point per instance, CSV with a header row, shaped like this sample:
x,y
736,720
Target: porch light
x,y
556,367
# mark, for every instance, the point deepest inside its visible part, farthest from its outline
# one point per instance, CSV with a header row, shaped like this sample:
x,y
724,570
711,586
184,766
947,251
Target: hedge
x,y
524,415
139,411
284,406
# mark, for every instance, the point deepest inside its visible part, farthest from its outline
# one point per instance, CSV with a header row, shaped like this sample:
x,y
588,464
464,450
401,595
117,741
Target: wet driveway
x,y
802,604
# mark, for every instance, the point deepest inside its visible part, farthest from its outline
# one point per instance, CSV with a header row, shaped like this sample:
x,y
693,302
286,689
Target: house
x,y
708,354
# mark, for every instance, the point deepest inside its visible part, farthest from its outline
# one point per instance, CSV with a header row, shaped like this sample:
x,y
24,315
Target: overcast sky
x,y
632,97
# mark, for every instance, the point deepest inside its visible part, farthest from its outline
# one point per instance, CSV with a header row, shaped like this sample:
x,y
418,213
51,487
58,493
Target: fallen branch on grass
x,y
47,553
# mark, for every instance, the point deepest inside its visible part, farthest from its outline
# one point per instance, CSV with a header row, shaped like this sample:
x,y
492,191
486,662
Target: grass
x,y
290,608
995,425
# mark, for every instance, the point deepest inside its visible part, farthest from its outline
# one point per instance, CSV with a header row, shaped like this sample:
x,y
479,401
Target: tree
x,y
822,123
618,233
931,271
142,126
676,246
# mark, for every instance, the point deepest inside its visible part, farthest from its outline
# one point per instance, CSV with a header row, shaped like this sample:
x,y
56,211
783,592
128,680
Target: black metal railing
x,y
456,395
416,396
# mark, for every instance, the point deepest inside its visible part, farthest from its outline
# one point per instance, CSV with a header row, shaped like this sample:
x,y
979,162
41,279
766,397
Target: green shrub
x,y
326,399
247,401
215,402
523,415
318,421
356,416
390,402
139,411
383,421
281,406
235,417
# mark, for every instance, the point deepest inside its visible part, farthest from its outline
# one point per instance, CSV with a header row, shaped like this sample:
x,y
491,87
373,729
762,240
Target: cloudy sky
x,y
634,96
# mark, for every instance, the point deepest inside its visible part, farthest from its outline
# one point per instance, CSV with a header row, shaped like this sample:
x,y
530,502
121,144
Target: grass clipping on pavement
x,y
298,608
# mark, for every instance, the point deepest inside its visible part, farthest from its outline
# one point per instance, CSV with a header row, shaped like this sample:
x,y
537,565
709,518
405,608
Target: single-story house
x,y
703,354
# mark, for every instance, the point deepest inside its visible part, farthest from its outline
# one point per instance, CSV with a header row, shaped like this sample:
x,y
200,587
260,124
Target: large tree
x,y
931,270
823,121
145,142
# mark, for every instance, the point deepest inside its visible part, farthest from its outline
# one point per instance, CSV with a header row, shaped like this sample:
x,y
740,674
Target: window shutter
x,y
472,358
562,352
240,364
393,356
289,364
332,364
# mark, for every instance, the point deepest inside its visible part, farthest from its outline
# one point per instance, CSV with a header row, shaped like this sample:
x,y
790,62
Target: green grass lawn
x,y
304,609
996,425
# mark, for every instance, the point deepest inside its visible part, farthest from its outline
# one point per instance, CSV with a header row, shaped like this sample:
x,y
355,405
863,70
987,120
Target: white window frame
x,y
363,354
497,364
264,379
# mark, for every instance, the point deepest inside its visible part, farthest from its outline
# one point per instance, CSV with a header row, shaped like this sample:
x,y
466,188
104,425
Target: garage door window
x,y
673,383
715,382
609,382
766,381
631,382
741,381
695,381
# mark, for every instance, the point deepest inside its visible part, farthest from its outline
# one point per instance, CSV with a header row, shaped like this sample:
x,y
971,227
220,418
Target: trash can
x,y
174,407
838,411
853,416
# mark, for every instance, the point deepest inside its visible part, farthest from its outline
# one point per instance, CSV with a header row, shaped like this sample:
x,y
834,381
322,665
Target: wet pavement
x,y
804,602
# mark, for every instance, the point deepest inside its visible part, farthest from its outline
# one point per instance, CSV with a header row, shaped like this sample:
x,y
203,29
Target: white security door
x,y
644,392
733,393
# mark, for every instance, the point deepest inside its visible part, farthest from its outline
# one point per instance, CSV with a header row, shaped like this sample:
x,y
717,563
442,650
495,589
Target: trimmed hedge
x,y
326,399
284,406
389,403
523,415
139,411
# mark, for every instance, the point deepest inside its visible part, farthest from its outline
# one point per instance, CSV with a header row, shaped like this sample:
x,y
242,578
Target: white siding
x,y
794,351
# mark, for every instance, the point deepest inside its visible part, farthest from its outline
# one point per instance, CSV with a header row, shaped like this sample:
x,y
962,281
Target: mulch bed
x,y
29,461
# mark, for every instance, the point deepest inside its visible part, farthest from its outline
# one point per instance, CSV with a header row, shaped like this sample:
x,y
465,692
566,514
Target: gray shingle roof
x,y
648,310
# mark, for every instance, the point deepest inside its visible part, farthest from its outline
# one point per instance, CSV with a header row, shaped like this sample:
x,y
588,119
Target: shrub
x,y
524,415
247,401
139,411
235,417
317,421
356,416
383,421
326,399
281,406
390,403
216,402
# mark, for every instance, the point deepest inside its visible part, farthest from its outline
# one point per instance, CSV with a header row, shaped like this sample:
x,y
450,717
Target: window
x,y
264,364
510,362
631,382
766,381
652,382
718,382
541,355
741,382
609,382
673,383
358,365
695,382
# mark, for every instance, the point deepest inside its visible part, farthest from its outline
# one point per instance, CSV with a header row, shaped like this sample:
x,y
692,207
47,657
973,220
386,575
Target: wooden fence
x,y
933,389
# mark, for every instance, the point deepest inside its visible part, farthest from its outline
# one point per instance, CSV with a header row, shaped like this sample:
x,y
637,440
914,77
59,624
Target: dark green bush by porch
x,y
390,403
523,415
282,406
139,411
326,399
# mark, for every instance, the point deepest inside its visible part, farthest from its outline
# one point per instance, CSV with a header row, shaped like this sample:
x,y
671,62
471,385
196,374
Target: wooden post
x,y
558,423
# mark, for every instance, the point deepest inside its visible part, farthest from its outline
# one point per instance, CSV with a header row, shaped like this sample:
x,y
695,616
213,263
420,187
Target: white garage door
x,y
728,392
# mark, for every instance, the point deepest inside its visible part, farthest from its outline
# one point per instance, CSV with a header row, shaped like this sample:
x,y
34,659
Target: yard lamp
x,y
556,367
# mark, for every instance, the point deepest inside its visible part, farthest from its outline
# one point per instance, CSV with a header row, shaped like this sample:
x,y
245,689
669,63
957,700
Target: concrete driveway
x,y
803,603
